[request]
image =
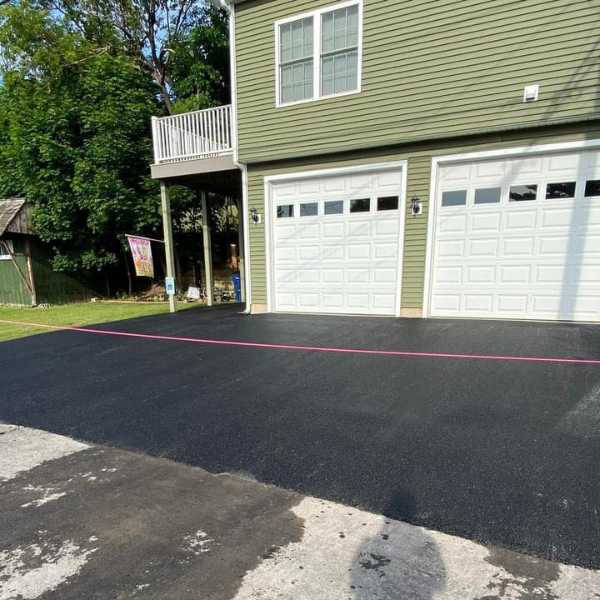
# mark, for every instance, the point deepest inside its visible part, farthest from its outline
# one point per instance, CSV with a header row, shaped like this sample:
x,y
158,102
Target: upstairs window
x,y
339,51
319,53
296,41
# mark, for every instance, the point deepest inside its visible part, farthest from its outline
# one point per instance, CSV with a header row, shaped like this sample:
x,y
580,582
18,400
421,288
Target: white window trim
x,y
316,15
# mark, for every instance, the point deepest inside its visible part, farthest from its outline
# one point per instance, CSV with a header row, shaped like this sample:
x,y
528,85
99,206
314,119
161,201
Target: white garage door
x,y
336,243
518,238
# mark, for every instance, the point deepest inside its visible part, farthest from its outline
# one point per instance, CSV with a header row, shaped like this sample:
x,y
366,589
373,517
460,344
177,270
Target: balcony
x,y
194,142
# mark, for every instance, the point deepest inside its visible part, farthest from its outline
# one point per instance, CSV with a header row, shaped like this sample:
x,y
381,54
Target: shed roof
x,y
9,210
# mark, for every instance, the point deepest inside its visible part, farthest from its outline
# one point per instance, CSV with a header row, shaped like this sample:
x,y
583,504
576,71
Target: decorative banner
x,y
141,250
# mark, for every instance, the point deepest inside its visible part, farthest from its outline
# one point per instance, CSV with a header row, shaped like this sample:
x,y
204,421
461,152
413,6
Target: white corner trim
x,y
268,223
247,258
402,234
233,82
438,161
316,15
269,180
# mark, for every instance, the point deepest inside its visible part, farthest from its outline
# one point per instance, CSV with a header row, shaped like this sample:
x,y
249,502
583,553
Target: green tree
x,y
74,128
180,44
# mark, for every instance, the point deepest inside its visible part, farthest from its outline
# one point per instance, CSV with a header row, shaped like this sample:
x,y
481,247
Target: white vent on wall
x,y
531,93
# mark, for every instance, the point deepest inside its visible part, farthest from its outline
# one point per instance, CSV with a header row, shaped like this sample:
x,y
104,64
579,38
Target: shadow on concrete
x,y
401,561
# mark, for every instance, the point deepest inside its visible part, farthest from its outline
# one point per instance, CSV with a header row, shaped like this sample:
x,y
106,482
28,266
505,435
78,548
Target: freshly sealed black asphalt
x,y
506,453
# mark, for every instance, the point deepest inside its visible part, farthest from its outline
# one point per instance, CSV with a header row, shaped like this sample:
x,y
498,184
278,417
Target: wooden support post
x,y
168,237
207,247
242,261
30,271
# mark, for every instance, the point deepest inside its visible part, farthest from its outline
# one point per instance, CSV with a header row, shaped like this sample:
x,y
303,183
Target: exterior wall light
x,y
255,216
415,206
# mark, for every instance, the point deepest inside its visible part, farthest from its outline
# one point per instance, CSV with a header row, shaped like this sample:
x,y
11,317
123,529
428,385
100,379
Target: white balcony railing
x,y
198,134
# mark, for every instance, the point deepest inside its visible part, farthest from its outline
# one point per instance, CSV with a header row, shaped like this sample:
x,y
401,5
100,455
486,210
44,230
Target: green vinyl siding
x,y
430,70
419,158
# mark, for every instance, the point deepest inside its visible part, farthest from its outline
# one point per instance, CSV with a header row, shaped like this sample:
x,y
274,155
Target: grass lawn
x,y
86,313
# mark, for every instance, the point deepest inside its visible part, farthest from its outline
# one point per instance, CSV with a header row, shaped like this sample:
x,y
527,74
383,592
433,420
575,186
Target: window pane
x,y
560,190
334,207
523,193
592,188
310,209
487,196
297,81
387,203
327,32
458,198
339,29
285,210
339,73
296,40
360,205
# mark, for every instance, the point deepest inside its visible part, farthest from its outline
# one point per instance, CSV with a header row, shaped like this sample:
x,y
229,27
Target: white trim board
x,y
467,157
269,180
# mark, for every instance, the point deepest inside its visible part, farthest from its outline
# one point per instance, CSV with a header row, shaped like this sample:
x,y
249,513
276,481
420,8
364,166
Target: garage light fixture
x,y
415,206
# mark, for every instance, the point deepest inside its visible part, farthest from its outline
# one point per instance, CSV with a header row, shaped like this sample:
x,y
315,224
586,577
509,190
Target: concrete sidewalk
x,y
92,522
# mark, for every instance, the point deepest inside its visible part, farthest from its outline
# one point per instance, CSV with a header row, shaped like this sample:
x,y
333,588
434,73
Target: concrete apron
x,y
82,521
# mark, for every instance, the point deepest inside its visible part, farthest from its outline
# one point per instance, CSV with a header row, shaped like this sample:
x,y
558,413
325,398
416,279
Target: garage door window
x,y
309,209
457,198
285,211
360,205
523,193
488,195
557,191
334,207
592,188
387,203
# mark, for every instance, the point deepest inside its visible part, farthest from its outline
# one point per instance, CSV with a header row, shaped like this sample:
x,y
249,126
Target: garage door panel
x,y
481,274
511,274
448,275
451,249
359,228
518,220
529,259
454,224
513,304
345,262
490,222
485,247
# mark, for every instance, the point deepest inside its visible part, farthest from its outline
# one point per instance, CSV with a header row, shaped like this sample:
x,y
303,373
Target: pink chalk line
x,y
374,352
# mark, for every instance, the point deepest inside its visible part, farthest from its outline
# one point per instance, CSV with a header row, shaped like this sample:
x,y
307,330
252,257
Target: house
x,y
26,275
418,159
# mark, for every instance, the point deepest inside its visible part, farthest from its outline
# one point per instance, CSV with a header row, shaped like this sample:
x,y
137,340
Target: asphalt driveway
x,y
502,452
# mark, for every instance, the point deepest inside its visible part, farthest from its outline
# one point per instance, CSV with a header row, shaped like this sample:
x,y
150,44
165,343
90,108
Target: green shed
x,y
26,275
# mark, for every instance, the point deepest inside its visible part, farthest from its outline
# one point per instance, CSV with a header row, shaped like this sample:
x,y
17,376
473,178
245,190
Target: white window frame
x,y
317,17
10,247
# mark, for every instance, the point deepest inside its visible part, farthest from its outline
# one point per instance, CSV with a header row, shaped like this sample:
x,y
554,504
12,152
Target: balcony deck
x,y
192,143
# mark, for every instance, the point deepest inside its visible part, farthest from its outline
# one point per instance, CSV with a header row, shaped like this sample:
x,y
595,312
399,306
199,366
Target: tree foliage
x,y
181,44
76,142
79,82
